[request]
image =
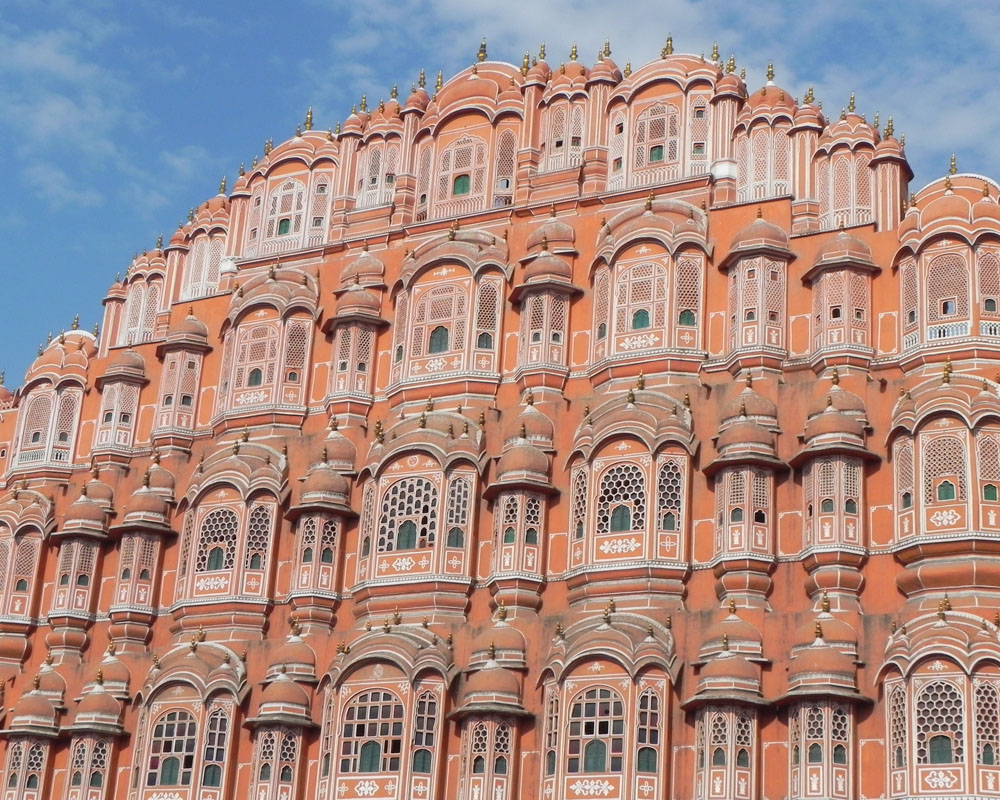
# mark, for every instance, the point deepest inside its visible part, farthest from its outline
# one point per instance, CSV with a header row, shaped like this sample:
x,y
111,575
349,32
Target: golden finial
x,y
687,400
715,51
298,130
236,447
725,642
606,52
76,322
386,626
396,617
309,119
668,48
41,349
97,329
323,455
368,624
191,214
731,65
986,189
825,603
541,51
946,372
947,602
381,104
481,55
145,479
649,201
640,382
941,609
953,166
743,408
875,121
835,377
524,431
606,615
630,397
525,63
422,80
253,164
62,337
628,69
364,102
379,433
818,630
559,630
439,82
892,627
36,682
423,420
545,242
809,95
850,104
394,93
491,652
502,611
770,70
573,54
732,606
450,639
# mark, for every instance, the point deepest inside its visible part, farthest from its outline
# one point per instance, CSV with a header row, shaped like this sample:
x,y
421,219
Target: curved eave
x,y
816,692
532,485
755,459
840,264
337,320
142,527
755,249
120,377
834,448
710,696
293,720
502,709
550,284
339,509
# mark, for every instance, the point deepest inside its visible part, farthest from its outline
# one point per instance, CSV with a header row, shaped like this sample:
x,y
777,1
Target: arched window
x,y
217,541
172,750
640,319
622,499
462,185
648,731
372,733
621,519
815,754
410,500
438,340
946,490
686,317
940,723
596,733
255,377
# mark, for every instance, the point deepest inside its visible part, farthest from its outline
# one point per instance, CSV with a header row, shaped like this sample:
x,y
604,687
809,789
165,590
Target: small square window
x,y
911,316
390,178
575,141
948,308
191,365
656,154
699,113
774,275
772,316
253,233
321,189
258,202
617,165
559,143
751,274
859,314
835,312
698,149
990,305
620,127
284,226
750,315
317,222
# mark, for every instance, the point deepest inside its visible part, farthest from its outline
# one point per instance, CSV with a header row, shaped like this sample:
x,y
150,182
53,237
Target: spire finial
x,y
394,92
725,642
607,48
422,80
481,55
628,69
525,63
835,377
715,51
731,65
953,166
850,104
573,53
946,372
825,603
809,95
818,630
541,52
309,119
649,201
76,322
770,71
640,382
732,606
668,47
222,185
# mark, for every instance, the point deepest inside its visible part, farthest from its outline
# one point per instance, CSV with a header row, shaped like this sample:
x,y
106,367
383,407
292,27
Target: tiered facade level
x,y
561,433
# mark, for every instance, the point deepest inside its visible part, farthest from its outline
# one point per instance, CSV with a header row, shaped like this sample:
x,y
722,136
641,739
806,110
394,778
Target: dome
x,y
548,266
127,363
553,231
530,424
492,682
740,635
295,656
769,98
605,70
98,705
745,434
190,326
161,479
839,400
84,510
98,491
844,247
749,403
418,99
760,234
836,632
146,503
729,667
324,480
50,682
112,671
358,301
283,691
822,666
831,424
523,459
33,710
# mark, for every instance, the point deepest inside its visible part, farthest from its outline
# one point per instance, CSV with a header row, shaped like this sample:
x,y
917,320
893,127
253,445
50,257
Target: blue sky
x,y
119,115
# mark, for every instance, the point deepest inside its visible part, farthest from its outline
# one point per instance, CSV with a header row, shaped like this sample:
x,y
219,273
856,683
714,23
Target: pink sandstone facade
x,y
559,433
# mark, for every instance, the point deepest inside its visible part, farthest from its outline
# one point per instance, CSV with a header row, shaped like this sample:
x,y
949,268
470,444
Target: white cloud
x,y
57,187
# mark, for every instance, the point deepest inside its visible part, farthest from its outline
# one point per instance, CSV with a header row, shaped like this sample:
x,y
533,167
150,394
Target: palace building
x,y
556,432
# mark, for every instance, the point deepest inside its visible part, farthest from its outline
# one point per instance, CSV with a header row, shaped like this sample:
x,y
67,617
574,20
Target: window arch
x,y
285,211
217,541
462,176
142,304
940,724
413,501
656,144
172,750
596,735
987,722
947,286
945,464
648,732
372,733
622,499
